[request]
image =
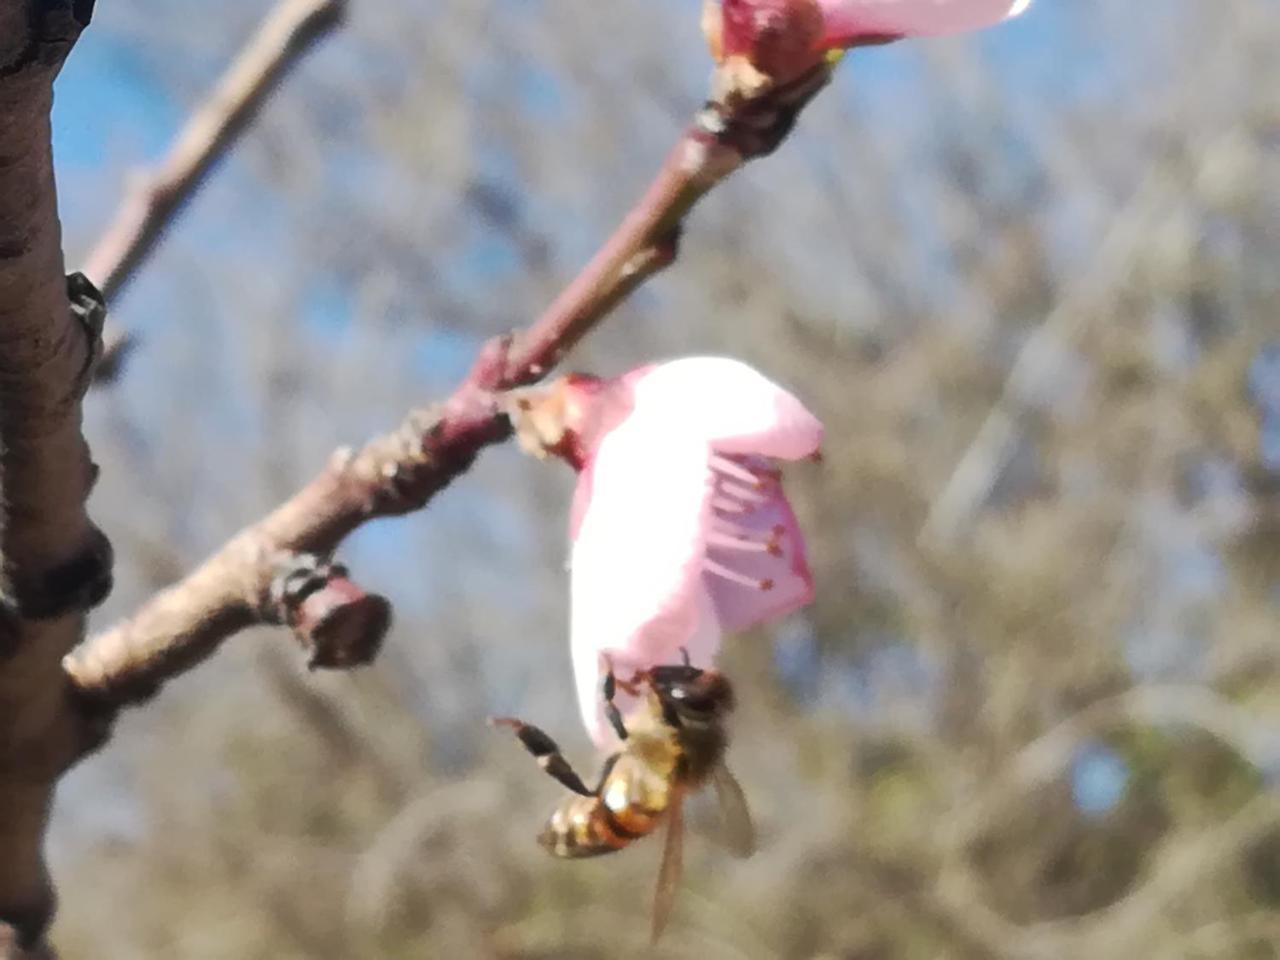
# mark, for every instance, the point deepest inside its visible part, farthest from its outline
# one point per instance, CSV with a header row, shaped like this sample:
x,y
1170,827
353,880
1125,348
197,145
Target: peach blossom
x,y
680,527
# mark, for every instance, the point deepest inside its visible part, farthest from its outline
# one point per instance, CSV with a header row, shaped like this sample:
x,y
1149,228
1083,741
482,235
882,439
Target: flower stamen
x,y
725,533
751,496
730,506
734,542
733,576
738,471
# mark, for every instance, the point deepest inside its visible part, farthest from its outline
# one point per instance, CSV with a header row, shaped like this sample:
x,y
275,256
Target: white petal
x,y
635,584
734,407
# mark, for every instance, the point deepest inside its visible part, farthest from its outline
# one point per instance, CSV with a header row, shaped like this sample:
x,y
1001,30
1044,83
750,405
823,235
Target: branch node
x,y
341,458
96,715
490,372
657,256
755,126
73,586
89,310
336,621
22,930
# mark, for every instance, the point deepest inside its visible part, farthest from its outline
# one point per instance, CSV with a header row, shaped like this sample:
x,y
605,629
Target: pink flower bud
x,y
778,38
759,43
848,23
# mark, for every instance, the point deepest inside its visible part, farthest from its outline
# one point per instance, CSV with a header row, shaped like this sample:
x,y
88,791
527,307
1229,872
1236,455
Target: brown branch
x,y
55,562
156,197
403,470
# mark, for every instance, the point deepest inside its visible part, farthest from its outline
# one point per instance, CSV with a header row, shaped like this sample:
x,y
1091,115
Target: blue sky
x,y
117,109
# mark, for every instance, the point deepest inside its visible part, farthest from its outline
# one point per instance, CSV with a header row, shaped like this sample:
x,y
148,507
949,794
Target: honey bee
x,y
672,744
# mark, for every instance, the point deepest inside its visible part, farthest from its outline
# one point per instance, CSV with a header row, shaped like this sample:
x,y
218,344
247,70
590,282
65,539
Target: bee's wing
x,y
739,831
672,863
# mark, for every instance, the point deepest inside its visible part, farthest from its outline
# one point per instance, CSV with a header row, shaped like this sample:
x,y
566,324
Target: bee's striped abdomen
x,y
585,827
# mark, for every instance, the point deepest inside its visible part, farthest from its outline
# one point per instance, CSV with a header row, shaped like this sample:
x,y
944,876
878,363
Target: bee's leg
x,y
605,771
546,752
611,711
631,686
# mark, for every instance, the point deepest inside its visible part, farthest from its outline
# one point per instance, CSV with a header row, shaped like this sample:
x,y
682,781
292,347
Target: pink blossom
x,y
763,42
680,527
849,22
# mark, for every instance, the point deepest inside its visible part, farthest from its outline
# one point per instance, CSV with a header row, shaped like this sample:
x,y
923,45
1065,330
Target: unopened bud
x,y
761,43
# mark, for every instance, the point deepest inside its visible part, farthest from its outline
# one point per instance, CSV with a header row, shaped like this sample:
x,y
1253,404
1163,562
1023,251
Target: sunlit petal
x,y
734,407
636,563
847,21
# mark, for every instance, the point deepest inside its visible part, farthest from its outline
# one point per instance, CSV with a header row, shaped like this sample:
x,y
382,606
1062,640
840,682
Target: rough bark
x,y
55,562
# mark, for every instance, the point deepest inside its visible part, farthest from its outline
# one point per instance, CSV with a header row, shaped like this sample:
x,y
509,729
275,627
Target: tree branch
x,y
156,198
403,471
55,562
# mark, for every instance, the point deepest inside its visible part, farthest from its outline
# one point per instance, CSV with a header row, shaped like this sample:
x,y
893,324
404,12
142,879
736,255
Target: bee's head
x,y
697,696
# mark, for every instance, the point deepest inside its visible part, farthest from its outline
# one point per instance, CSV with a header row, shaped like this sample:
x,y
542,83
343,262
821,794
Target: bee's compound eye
x,y
698,703
712,694
692,690
696,697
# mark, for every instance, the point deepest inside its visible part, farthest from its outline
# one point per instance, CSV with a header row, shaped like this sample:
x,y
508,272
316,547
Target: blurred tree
x,y
1027,279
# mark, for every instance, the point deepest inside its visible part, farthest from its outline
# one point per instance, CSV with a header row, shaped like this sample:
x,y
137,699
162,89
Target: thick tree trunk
x,y
55,563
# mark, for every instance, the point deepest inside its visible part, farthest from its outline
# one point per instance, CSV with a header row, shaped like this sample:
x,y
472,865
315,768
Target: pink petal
x,y
790,583
581,500
847,21
735,408
636,578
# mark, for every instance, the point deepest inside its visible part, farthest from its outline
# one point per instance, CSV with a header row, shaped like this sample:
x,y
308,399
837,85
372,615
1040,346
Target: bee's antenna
x,y
684,655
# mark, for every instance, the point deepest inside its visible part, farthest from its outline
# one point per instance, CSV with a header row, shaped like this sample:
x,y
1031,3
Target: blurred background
x,y
1028,279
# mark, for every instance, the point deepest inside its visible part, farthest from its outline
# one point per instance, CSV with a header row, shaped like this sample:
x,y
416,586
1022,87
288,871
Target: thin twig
x,y
403,470
645,243
156,197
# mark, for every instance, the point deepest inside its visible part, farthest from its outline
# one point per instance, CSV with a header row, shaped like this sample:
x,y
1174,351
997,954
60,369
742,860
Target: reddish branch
x,y
405,469
157,196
